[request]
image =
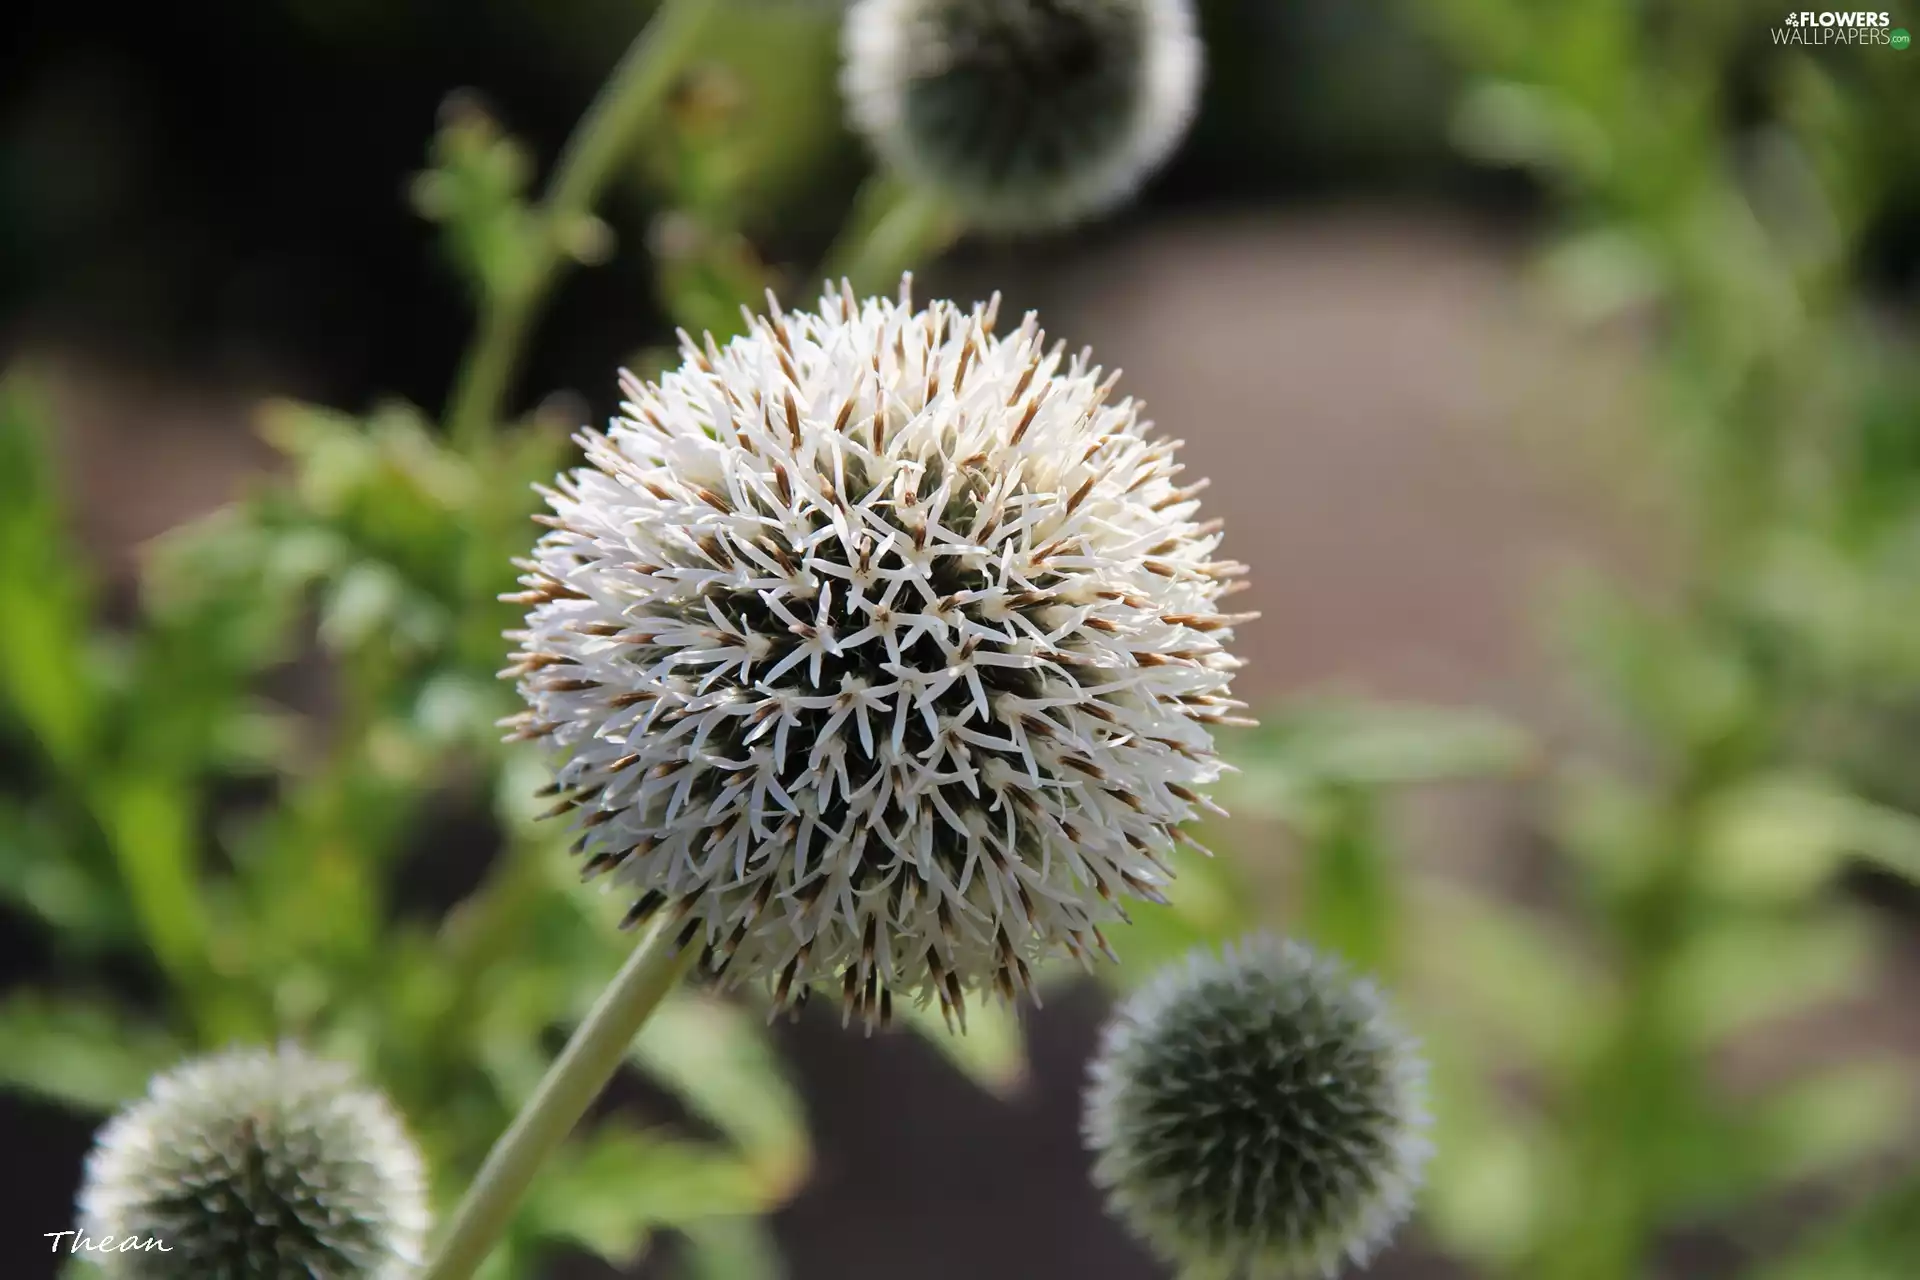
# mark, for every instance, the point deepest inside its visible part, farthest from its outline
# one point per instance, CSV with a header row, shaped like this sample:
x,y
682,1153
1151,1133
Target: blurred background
x,y
1555,369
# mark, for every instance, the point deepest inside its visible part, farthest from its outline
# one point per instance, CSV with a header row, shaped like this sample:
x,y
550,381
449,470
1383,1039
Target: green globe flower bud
x,y
1257,1114
1023,114
254,1165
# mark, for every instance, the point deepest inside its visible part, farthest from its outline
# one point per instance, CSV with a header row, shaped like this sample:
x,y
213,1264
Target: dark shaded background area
x,y
213,193
216,189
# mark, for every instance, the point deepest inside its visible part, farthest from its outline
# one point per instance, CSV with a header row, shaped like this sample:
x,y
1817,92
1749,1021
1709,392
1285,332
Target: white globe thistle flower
x,y
256,1165
1258,1115
882,650
1023,113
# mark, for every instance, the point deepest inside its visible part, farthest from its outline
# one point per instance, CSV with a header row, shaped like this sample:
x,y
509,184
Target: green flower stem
x,y
629,97
571,1084
1643,1079
892,228
1350,903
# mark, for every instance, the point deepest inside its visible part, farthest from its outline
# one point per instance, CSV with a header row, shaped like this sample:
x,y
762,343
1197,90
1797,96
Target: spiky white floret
x,y
881,650
260,1164
1258,1114
1023,113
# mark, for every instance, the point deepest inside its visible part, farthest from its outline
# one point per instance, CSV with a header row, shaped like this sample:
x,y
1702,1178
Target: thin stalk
x,y
1642,1077
629,97
891,228
1349,892
575,1079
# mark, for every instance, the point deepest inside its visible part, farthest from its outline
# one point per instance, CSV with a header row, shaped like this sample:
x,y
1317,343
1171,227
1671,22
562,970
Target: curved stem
x,y
892,228
630,95
575,1079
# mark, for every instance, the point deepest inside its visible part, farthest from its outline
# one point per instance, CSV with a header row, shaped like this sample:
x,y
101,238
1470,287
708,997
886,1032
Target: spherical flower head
x,y
256,1165
1257,1114
880,650
1023,113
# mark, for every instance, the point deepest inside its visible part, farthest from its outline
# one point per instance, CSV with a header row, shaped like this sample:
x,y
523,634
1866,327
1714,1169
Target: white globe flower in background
x,y
1258,1115
1023,114
256,1165
881,650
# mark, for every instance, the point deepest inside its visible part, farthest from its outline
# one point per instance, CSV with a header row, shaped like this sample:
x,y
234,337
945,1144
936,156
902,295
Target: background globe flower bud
x,y
1257,1114
257,1165
1023,113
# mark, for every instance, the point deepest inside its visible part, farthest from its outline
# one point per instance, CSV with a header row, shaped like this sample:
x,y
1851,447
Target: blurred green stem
x,y
480,933
637,86
575,1079
891,228
1349,894
1640,1084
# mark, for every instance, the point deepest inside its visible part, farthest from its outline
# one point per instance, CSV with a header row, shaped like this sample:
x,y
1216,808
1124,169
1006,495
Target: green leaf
x,y
81,1052
513,1259
1846,605
43,586
455,709
396,498
1337,742
149,819
706,276
1878,1241
1829,1122
370,603
1784,836
991,1052
1678,684
232,583
1507,977
307,873
474,186
42,871
1485,1191
1350,892
746,140
1526,126
606,1192
716,1057
1207,903
1737,973
731,1249
1614,832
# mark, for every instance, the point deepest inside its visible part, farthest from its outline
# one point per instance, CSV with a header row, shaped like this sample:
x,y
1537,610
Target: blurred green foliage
x,y
289,915
1713,195
261,856
267,857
